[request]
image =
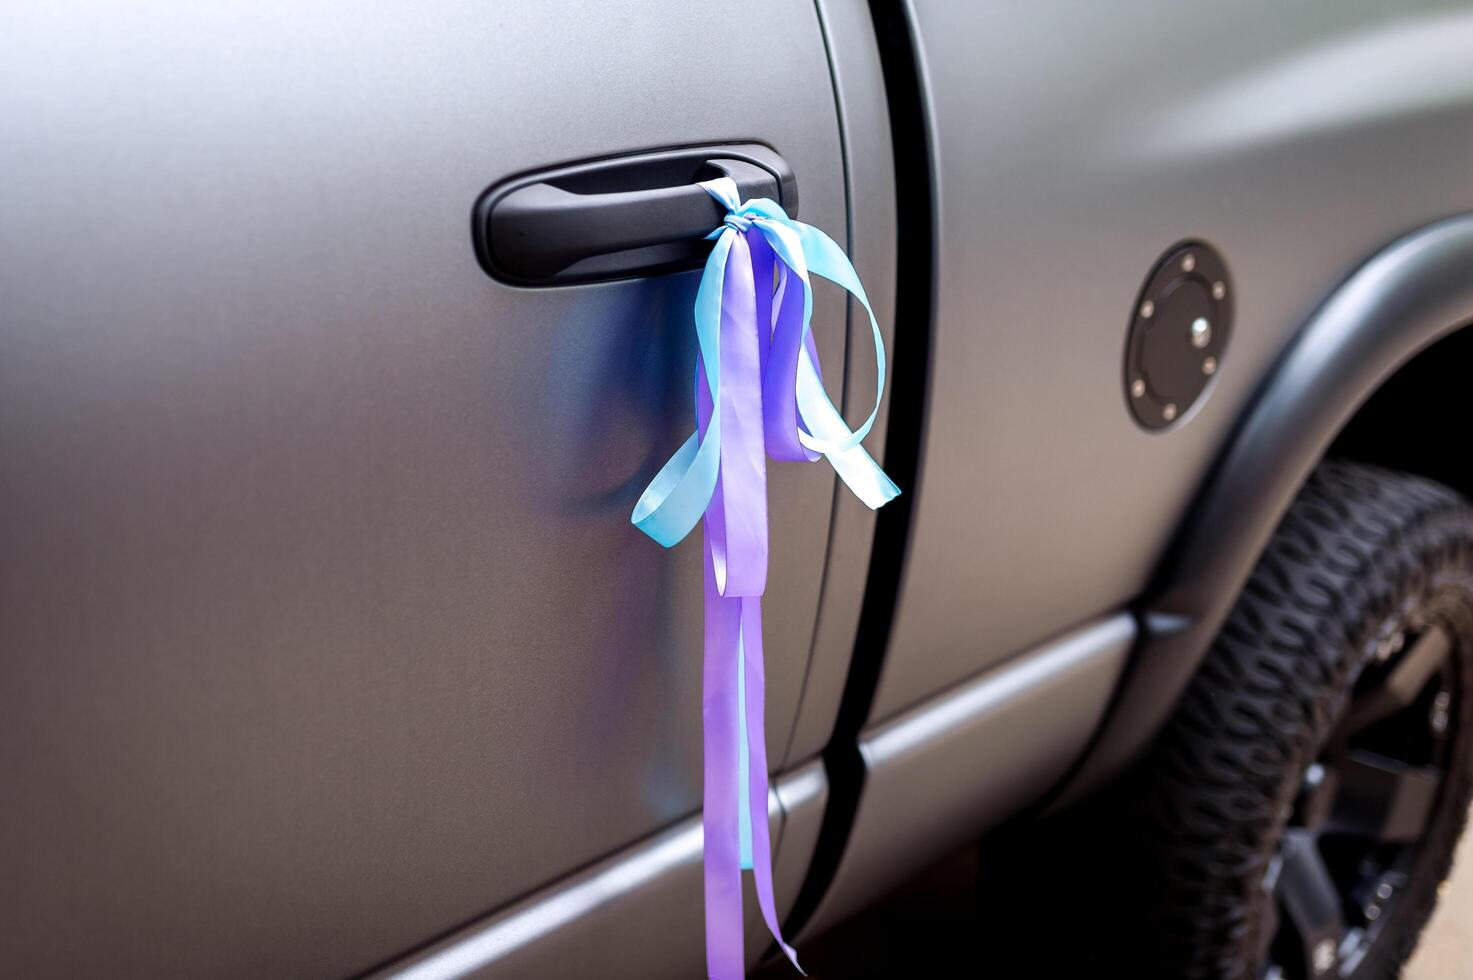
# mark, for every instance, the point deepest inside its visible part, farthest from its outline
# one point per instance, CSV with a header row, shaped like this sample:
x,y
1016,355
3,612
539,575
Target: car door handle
x,y
612,219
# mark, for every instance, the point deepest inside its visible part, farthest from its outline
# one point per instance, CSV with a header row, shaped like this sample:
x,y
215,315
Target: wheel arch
x,y
1380,351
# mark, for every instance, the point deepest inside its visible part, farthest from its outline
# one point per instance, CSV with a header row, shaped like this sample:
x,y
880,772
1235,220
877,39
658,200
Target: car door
x,y
324,627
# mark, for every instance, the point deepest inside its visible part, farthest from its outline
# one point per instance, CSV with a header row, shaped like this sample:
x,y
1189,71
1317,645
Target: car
x,y
339,339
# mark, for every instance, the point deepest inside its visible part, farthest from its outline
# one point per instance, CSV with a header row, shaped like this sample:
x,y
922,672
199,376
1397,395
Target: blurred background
x,y
956,916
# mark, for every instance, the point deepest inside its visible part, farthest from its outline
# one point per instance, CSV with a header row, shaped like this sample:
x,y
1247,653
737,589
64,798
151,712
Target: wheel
x,y
1300,809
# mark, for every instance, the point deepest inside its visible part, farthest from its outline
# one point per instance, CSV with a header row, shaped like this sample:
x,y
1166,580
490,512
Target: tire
x,y
1241,787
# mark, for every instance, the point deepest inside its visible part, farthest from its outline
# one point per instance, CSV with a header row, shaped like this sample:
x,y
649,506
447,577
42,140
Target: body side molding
x,y
635,914
940,773
1411,294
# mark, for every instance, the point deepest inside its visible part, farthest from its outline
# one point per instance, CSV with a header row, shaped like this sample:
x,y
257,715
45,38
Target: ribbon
x,y
759,395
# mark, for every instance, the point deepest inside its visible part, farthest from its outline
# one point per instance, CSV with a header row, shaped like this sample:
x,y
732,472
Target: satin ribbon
x,y
759,395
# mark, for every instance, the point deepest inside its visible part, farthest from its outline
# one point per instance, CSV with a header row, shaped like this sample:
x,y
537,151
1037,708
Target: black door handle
x,y
611,219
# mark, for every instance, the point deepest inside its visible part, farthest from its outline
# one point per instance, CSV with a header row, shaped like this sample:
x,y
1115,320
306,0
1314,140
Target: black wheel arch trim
x,y
1411,294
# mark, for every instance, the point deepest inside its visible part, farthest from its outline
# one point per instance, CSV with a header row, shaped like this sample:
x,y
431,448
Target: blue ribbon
x,y
677,497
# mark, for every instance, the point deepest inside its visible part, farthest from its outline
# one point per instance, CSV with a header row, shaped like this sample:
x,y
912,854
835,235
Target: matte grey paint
x,y
939,775
636,915
1074,143
870,175
324,626
1404,299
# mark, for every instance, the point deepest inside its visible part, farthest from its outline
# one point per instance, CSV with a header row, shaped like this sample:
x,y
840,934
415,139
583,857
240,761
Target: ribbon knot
x,y
759,396
737,222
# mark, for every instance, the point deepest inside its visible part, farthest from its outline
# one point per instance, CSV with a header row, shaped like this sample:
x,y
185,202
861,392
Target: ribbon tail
x,y
725,954
779,390
752,697
854,465
735,818
678,496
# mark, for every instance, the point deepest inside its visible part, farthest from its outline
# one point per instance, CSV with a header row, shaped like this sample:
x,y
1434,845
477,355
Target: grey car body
x,y
326,646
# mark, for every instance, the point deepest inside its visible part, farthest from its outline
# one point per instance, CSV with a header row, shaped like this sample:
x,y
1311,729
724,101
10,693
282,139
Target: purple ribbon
x,y
736,576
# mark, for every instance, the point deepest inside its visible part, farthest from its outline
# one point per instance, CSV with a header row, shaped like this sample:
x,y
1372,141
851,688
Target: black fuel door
x,y
1178,334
